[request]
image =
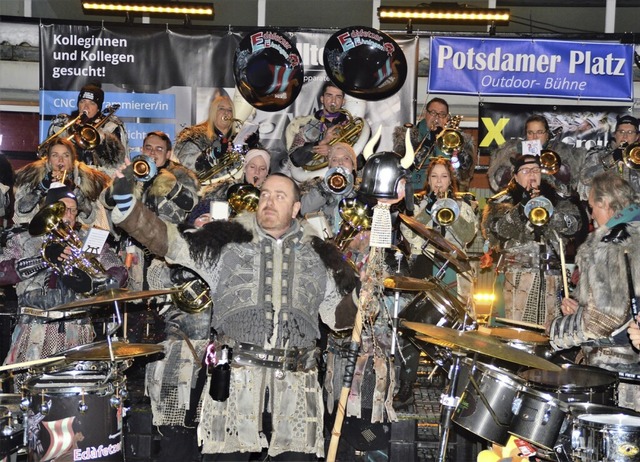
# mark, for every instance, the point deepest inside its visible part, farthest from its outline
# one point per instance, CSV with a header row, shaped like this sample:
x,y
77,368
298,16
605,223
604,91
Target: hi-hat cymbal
x,y
113,295
99,351
478,343
26,365
446,249
404,283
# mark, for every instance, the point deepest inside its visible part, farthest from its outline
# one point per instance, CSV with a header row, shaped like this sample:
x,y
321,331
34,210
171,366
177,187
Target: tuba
x,y
81,269
243,197
538,210
356,217
445,211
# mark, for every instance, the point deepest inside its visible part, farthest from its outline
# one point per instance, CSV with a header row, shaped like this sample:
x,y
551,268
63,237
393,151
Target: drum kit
x,y
503,383
71,404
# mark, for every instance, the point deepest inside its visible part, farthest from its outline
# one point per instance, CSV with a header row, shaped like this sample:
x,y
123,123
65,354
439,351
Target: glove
x,y
122,190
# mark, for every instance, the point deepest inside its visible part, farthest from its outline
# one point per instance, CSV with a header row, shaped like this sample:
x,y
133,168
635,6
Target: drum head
x,y
268,70
365,63
572,377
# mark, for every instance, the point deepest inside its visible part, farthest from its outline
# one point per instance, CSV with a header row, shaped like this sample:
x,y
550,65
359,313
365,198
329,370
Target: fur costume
x,y
571,159
193,143
506,229
267,293
599,325
110,152
466,155
593,165
88,183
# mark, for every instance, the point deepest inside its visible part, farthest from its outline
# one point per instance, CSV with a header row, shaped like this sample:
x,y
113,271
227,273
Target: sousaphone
x,y
268,70
365,63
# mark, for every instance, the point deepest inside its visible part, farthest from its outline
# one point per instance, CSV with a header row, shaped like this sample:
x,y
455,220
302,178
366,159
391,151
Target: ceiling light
x,y
433,15
159,8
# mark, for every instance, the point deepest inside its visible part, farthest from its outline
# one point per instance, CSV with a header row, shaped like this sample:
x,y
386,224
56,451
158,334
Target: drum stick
x,y
563,266
520,323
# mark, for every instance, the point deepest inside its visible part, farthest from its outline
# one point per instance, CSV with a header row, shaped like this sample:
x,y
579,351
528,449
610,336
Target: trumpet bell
x,y
47,219
445,211
356,217
631,156
538,210
339,180
268,70
86,137
144,168
365,63
550,162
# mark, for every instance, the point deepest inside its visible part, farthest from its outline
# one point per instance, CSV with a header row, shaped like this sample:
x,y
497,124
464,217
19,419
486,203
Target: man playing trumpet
x,y
526,234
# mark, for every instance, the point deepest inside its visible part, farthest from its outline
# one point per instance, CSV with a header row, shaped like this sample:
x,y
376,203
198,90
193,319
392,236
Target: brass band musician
x,y
613,157
111,145
523,233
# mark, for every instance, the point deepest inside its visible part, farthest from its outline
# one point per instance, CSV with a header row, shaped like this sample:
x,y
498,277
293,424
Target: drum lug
x,y
547,415
516,405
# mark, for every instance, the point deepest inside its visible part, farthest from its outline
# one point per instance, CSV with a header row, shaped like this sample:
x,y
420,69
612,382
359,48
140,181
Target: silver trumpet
x,y
338,180
445,211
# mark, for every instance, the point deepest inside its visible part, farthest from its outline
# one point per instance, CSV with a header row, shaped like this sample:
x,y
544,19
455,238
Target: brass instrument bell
x,y
445,211
243,197
356,216
550,162
144,168
538,210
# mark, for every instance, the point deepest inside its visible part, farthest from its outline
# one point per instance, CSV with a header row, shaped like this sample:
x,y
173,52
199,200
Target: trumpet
x,y
627,153
144,168
538,210
356,217
448,140
338,180
445,211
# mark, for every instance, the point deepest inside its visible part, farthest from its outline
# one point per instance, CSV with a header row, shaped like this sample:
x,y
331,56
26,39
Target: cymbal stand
x,y
114,329
396,308
449,403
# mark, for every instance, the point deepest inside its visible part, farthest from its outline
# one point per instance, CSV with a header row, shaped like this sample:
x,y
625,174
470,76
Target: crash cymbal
x,y
113,295
478,343
447,249
99,351
408,284
513,322
36,363
514,333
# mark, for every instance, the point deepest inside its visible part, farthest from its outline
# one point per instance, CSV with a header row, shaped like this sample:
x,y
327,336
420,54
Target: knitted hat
x,y
92,92
58,191
346,148
523,160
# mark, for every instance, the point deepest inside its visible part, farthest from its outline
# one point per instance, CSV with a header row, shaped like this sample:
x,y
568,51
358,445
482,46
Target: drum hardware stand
x,y
396,308
114,329
449,403
561,453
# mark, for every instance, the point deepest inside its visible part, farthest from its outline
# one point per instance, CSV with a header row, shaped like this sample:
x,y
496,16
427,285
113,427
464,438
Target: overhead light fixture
x,y
153,8
437,15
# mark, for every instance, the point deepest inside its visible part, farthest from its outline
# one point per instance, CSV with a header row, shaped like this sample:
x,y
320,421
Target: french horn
x,y
365,63
268,70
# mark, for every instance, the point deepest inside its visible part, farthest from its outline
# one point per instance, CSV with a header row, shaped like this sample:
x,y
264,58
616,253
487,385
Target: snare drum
x,y
612,437
76,413
575,383
495,387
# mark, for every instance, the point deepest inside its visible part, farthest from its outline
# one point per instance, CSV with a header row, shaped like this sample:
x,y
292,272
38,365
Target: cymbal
x,y
478,343
448,250
408,284
514,333
99,351
26,365
113,295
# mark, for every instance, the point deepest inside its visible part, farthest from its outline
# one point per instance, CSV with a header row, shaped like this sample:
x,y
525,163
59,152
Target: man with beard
x,y
113,143
527,243
270,279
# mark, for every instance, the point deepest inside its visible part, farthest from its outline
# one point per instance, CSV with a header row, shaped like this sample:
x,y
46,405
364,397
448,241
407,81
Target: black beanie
x,y
92,92
522,160
58,191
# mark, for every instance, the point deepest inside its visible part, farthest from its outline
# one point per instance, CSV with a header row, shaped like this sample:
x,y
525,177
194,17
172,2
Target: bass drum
x,y
75,414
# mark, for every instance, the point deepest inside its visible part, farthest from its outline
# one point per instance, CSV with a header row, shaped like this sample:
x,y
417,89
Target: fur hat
x,y
627,119
58,191
92,92
520,161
